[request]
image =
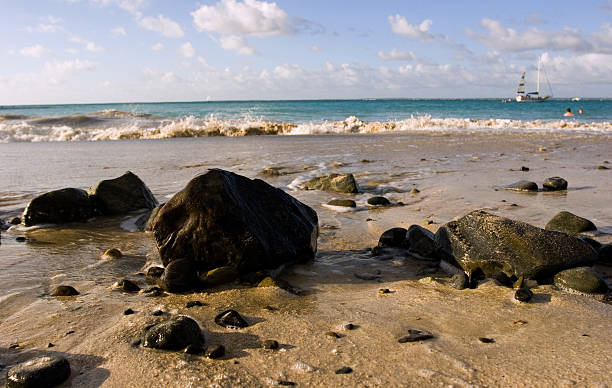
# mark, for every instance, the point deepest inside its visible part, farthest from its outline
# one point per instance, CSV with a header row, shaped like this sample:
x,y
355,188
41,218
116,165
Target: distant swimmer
x,y
568,112
580,111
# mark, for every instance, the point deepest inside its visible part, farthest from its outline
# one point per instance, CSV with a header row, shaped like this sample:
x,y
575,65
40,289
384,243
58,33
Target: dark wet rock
x,y
523,294
415,191
122,195
581,279
523,168
594,243
153,292
421,241
50,345
349,326
333,334
21,239
194,349
231,319
64,291
344,370
342,203
523,186
126,285
224,219
338,183
154,274
15,221
554,183
394,238
493,244
218,276
112,254
378,201
59,207
128,312
605,254
285,382
174,334
145,221
415,335
567,222
486,340
459,281
13,346
384,291
194,303
502,279
215,351
157,313
602,168
39,372
270,344
179,275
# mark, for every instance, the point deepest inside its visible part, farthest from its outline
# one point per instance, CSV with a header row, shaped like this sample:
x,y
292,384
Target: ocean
x,y
85,122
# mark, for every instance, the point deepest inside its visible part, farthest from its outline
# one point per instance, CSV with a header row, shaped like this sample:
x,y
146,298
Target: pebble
x,y
128,312
154,292
231,320
523,294
126,286
349,326
20,239
15,221
13,346
112,254
344,370
378,201
332,334
215,351
384,291
174,334
285,382
342,202
64,291
270,344
50,345
415,191
157,313
136,343
40,372
486,340
194,303
415,335
523,168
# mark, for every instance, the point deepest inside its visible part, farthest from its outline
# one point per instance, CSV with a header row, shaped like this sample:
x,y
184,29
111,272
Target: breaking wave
x,y
114,125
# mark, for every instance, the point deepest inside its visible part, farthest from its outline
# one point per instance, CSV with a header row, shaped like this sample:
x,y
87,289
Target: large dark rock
x,y
494,244
59,207
339,183
224,219
421,241
39,372
581,279
554,183
174,334
122,195
567,222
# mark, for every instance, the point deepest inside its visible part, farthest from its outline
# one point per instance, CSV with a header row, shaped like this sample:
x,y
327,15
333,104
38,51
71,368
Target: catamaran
x,y
521,96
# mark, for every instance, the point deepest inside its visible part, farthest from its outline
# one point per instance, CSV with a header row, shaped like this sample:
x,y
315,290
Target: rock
x,y
393,238
194,303
126,286
554,183
342,202
59,207
349,326
333,334
112,254
486,340
602,168
581,279
523,294
415,335
338,183
157,313
148,226
64,291
273,171
605,254
179,276
415,191
567,222
523,168
523,186
153,292
383,291
224,219
39,372
215,351
459,281
268,281
344,370
194,349
154,274
231,320
20,239
174,334
128,312
122,195
218,276
15,221
378,201
270,344
493,244
421,241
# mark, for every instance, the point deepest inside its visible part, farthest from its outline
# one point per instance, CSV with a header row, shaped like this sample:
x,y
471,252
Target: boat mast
x,y
538,85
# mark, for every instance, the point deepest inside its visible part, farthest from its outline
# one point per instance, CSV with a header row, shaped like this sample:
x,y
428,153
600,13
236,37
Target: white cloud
x,y
58,71
315,48
288,71
118,31
132,6
165,26
53,19
400,26
35,51
397,55
237,44
88,45
250,17
187,50
157,47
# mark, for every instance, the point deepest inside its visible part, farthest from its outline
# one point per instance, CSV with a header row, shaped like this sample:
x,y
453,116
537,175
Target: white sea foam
x,y
115,125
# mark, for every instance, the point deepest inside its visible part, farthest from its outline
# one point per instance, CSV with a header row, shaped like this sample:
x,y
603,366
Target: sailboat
x,y
521,96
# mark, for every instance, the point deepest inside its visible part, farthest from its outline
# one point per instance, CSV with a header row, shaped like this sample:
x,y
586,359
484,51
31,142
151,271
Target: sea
x,y
89,122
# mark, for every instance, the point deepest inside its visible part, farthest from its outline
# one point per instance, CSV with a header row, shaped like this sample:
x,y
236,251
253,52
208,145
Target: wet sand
x,y
559,339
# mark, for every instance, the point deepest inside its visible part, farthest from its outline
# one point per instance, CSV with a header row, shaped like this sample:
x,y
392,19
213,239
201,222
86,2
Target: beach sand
x,y
558,339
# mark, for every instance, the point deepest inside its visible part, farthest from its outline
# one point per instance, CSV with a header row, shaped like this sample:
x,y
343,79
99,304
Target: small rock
x,y
523,186
394,237
486,340
174,334
179,275
523,294
569,223
349,326
15,221
285,382
415,191
340,183
20,239
273,171
268,281
50,345
602,168
64,291
459,281
154,274
157,313
70,332
342,202
112,254
13,346
367,276
231,320
554,183
215,351
378,201
153,292
344,370
333,334
523,168
128,312
384,291
415,335
193,303
420,241
194,349
126,286
40,372
270,344
136,343
581,279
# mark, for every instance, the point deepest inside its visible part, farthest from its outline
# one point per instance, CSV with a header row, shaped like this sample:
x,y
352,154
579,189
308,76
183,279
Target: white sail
x,y
521,87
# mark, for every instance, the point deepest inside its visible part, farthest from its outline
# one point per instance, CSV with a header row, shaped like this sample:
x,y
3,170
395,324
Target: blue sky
x,y
78,51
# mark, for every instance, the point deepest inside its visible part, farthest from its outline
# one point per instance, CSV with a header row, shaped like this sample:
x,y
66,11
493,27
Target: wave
x,y
115,125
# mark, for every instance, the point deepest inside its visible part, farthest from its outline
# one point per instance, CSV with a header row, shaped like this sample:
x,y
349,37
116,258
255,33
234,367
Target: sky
x,y
89,51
